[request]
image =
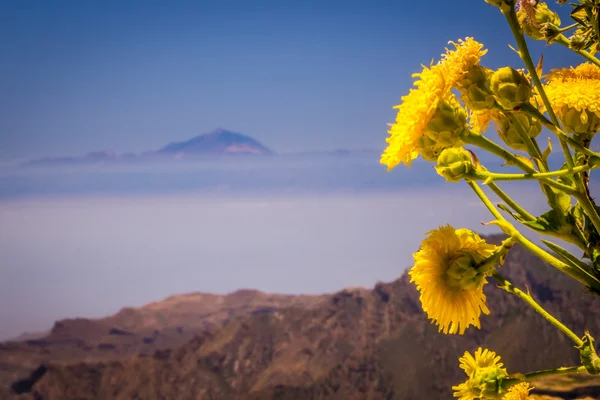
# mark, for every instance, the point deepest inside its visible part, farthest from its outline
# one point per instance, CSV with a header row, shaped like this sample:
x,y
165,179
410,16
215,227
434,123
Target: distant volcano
x,y
217,142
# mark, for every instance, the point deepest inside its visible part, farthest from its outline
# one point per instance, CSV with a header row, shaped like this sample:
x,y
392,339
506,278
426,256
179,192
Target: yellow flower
x,y
583,71
485,372
412,133
518,392
574,94
456,62
447,277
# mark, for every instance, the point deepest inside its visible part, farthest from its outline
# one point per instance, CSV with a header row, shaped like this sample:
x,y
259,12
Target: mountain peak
x,y
217,142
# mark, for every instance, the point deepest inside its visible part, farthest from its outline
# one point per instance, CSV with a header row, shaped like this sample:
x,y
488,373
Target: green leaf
x,y
563,200
548,150
578,216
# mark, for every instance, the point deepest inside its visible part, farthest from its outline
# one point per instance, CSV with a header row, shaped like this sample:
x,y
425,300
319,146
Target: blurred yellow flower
x,y
484,371
583,71
448,276
412,134
479,120
518,392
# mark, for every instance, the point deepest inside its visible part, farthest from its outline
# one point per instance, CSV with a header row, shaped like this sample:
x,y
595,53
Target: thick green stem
x,y
510,288
513,22
486,201
511,231
540,175
555,371
582,196
589,208
486,144
511,203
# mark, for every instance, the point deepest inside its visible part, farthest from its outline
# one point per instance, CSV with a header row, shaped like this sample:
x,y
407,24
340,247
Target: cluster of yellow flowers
x,y
431,118
484,373
452,104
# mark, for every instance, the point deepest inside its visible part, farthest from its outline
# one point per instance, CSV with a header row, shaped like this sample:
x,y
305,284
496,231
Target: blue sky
x,y
134,75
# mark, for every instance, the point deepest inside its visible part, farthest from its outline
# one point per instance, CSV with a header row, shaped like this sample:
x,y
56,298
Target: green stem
x,y
561,39
535,113
486,144
539,175
510,230
513,22
589,208
583,198
486,201
568,28
510,288
555,371
511,203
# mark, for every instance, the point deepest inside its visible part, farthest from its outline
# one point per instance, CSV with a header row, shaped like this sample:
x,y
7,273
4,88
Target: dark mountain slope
x,y
355,344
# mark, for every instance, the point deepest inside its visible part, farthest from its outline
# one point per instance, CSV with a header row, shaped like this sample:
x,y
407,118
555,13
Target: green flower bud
x,y
475,88
577,42
455,164
486,383
462,274
533,27
511,87
550,31
509,133
444,130
582,123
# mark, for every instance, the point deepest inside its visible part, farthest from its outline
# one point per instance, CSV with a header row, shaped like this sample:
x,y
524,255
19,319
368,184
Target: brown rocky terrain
x,y
354,344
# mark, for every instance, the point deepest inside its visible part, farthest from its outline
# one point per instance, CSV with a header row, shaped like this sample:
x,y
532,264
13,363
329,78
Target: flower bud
x,y
444,130
533,25
509,133
475,88
550,31
583,123
455,164
511,87
462,274
486,382
577,42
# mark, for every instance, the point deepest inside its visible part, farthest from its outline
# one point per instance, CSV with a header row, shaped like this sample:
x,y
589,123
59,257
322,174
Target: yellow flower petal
x,y
518,392
453,303
419,105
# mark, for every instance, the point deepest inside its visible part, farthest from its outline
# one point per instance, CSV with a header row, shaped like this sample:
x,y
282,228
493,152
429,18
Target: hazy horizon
x,y
87,241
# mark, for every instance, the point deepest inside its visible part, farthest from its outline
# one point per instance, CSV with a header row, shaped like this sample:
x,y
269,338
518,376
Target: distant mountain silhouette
x,y
356,344
216,143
